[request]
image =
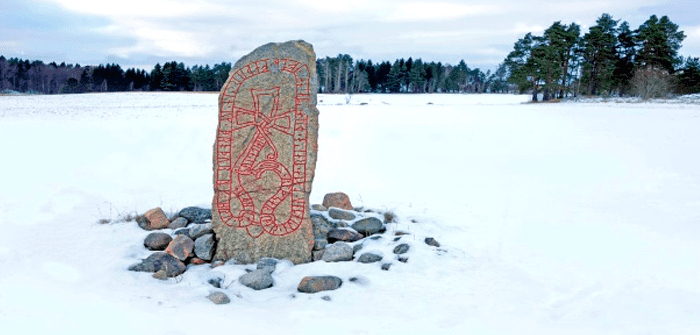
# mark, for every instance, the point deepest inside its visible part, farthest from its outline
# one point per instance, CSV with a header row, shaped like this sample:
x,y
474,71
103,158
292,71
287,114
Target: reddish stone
x,y
197,261
154,219
320,283
181,247
338,200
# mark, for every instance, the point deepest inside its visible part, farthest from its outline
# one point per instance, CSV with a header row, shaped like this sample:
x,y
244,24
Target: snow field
x,y
572,218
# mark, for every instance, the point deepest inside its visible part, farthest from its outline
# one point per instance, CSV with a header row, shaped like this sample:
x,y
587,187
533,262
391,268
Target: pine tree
x,y
600,55
689,76
660,41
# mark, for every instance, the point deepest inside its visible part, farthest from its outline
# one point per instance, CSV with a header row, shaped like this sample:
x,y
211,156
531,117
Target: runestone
x,y
265,155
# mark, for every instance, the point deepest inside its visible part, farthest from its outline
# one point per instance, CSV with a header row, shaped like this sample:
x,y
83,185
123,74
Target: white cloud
x,y
428,11
691,44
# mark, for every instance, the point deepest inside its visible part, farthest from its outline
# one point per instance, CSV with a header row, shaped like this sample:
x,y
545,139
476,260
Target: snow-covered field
x,y
570,218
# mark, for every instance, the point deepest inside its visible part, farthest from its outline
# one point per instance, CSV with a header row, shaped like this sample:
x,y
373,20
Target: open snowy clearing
x,y
569,218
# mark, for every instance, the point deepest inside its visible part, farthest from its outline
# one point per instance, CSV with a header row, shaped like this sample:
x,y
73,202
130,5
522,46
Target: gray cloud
x,y
140,33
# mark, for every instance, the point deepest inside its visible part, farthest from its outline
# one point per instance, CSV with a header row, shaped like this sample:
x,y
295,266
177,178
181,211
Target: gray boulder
x,y
401,249
204,247
157,241
345,235
369,258
267,264
259,279
319,207
160,261
320,244
321,227
178,222
432,242
368,226
195,214
198,230
338,252
340,214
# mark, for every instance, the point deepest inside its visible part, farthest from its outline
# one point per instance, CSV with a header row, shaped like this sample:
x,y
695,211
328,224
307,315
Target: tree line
x,y
341,75
336,75
37,77
610,59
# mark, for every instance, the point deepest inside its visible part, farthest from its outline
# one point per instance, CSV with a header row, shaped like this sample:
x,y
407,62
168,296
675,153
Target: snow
x,y
568,218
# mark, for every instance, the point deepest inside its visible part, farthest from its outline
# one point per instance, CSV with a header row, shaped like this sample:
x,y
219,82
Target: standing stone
x,y
265,155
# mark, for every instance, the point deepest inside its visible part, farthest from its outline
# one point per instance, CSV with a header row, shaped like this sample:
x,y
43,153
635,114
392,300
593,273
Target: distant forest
x,y
336,75
611,59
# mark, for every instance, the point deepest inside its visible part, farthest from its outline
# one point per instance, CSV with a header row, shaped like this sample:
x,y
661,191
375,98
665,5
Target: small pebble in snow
x,y
326,298
216,282
219,298
401,248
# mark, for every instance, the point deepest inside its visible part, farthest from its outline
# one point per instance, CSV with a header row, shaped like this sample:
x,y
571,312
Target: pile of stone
x,y
192,241
340,232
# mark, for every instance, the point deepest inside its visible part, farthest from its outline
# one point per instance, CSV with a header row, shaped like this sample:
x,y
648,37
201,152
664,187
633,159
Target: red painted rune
x,y
254,124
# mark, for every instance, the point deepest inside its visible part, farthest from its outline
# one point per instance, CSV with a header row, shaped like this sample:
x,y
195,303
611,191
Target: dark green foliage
x,y
604,61
659,41
599,56
689,76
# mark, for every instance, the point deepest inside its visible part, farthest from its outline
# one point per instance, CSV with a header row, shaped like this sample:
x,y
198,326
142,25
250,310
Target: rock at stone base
x,y
320,244
267,264
197,261
178,222
313,284
182,231
338,252
153,219
161,274
401,248
318,255
319,207
219,298
403,259
195,214
340,214
157,241
338,200
432,242
204,247
368,226
344,235
180,247
198,230
160,261
369,258
356,248
321,227
259,279
386,266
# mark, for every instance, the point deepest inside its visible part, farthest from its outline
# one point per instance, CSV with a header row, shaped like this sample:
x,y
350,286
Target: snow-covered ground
x,y
569,218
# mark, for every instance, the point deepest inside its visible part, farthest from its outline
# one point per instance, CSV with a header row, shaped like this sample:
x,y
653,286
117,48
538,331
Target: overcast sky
x,y
139,33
